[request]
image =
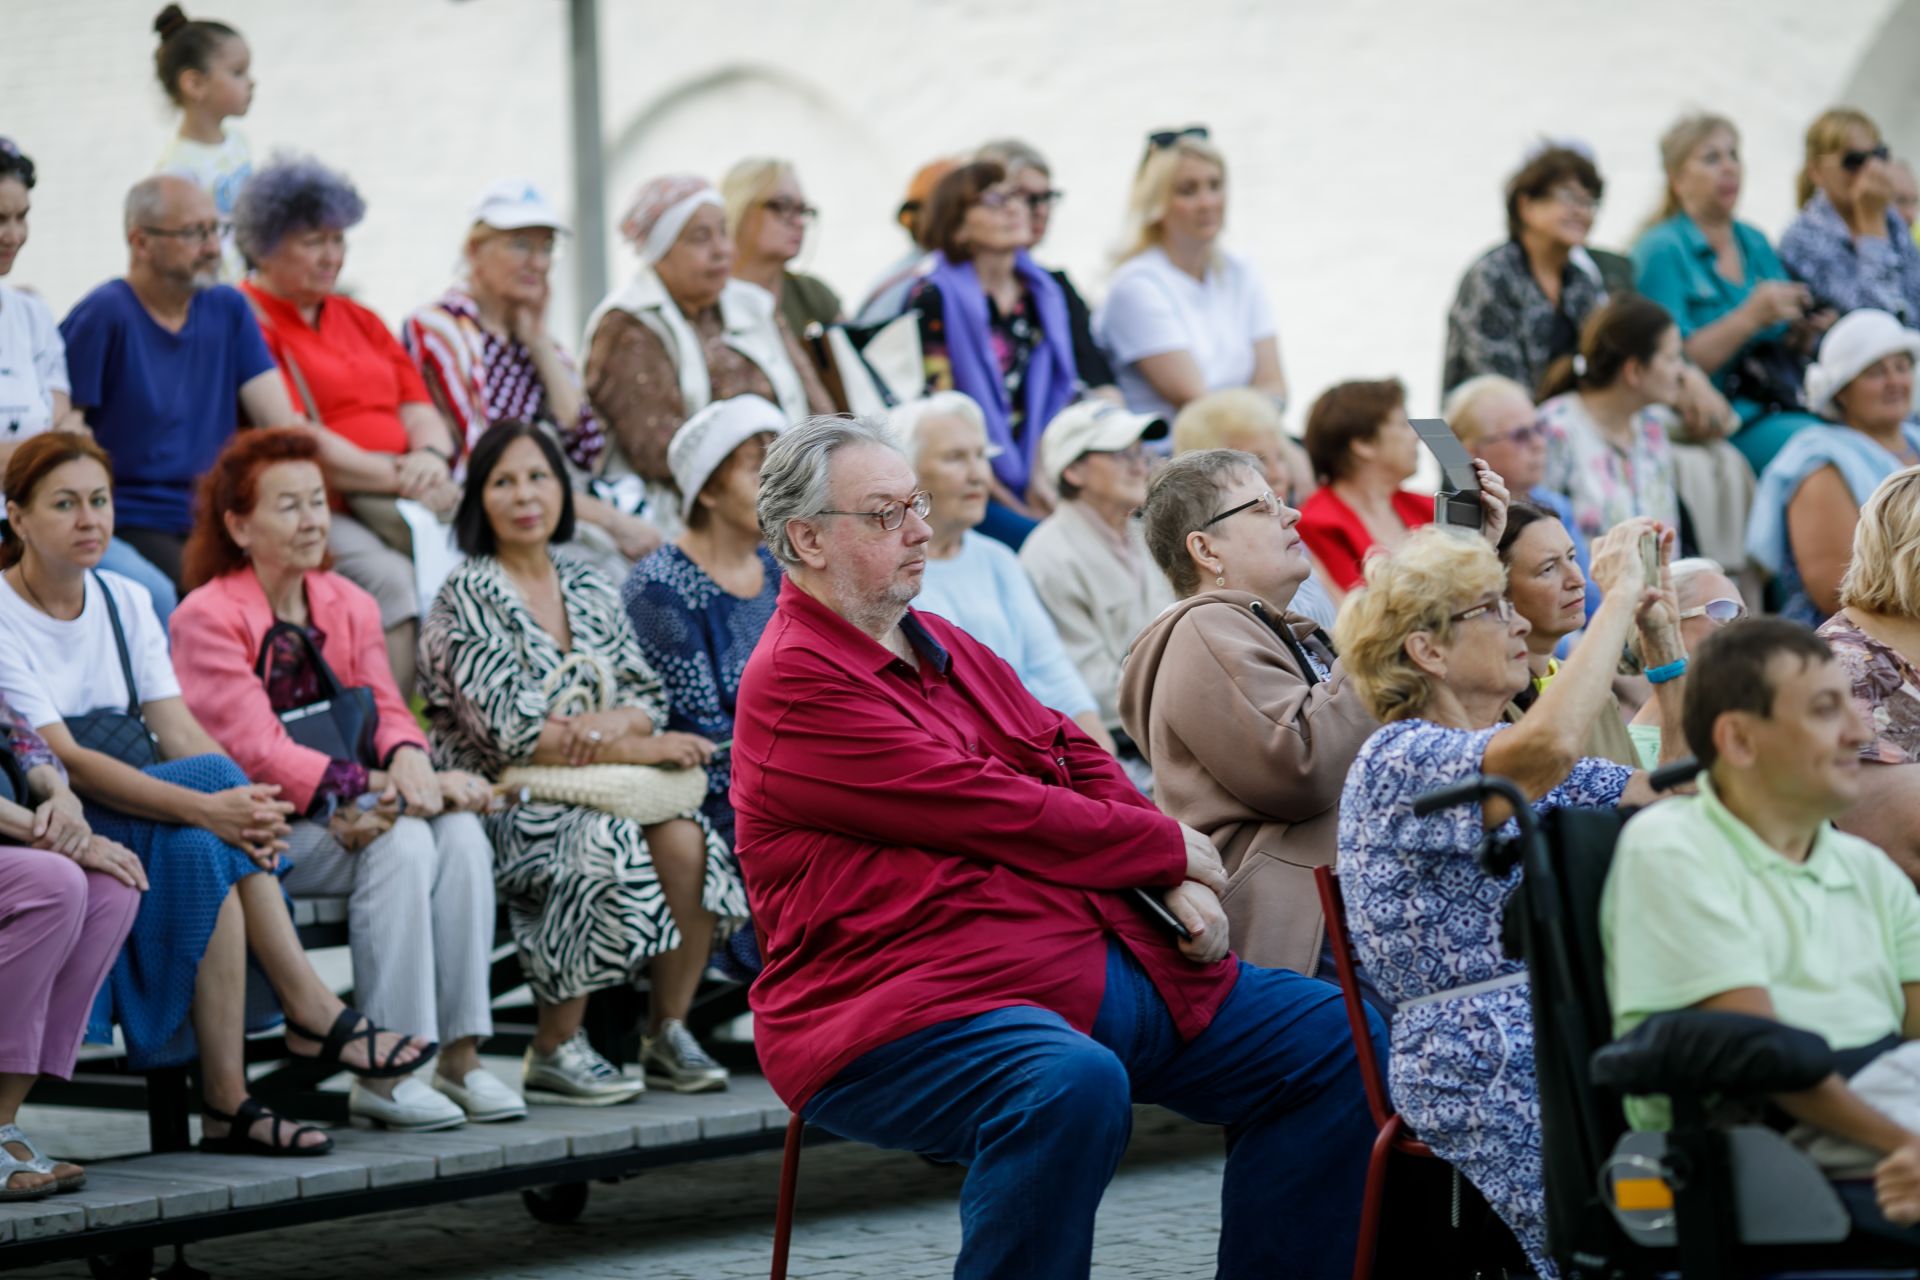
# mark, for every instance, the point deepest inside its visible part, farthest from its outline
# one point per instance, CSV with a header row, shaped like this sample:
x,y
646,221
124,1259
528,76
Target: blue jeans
x,y
128,563
1041,1114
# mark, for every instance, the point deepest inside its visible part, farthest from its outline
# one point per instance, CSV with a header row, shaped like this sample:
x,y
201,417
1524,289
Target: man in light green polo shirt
x,y
1745,898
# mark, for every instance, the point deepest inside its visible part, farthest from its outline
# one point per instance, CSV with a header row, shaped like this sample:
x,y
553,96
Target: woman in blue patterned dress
x,y
1437,651
699,603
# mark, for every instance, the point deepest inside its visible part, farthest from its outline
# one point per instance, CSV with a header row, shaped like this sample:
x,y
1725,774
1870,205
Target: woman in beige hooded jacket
x,y
1241,707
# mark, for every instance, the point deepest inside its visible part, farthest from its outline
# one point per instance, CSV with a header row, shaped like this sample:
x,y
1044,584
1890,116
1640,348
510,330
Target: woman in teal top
x,y
1743,320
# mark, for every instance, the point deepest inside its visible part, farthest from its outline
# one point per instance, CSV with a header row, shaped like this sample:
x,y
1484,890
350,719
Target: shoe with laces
x,y
575,1075
675,1059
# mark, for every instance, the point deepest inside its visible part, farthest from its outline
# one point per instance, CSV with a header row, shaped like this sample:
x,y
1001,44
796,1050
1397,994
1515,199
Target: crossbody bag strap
x,y
329,681
286,358
120,643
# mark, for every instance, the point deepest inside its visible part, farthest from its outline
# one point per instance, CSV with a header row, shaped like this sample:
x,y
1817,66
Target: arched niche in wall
x,y
707,124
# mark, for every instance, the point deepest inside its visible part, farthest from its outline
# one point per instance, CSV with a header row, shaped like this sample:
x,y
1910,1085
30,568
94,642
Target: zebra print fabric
x,y
584,902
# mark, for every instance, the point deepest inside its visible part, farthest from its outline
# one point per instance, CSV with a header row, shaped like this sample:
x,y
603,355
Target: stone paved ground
x,y
862,1214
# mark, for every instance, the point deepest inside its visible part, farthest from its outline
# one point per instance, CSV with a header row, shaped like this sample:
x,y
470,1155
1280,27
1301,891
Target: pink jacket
x,y
217,633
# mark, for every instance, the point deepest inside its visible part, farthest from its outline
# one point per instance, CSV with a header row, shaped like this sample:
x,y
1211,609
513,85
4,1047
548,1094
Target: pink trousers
x,y
60,931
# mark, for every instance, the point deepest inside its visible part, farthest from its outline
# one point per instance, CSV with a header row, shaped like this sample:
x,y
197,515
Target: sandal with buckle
x,y
37,1161
343,1033
239,1139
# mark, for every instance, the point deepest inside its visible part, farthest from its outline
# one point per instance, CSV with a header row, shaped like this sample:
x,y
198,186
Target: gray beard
x,y
875,616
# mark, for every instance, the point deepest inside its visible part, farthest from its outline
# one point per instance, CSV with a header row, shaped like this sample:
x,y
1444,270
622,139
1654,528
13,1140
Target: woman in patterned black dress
x,y
1437,651
594,899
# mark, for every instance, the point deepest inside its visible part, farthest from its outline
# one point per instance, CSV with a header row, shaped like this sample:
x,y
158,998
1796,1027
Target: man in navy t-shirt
x,y
163,360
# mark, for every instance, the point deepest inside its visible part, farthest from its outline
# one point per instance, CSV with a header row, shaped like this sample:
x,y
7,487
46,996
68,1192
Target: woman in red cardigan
x,y
265,620
1363,449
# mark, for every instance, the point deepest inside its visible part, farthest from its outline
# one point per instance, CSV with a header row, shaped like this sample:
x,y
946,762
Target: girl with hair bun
x,y
204,66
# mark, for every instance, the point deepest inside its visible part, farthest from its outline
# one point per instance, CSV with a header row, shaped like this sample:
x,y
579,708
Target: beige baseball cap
x,y
1093,426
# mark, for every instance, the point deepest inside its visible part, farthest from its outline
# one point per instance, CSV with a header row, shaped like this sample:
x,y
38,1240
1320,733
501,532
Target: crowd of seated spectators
x,y
929,723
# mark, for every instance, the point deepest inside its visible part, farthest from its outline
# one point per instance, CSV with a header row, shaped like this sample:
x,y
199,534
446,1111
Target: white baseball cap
x,y
514,204
710,436
1857,341
1093,426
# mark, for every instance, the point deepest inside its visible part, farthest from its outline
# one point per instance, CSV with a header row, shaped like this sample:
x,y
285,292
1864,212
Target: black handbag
x,y
13,779
121,734
341,724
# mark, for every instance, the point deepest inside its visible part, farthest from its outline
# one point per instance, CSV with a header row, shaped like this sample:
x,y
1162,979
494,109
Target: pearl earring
x,y
1220,581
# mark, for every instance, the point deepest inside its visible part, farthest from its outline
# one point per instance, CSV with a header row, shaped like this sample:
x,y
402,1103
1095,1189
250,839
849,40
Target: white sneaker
x,y
414,1108
483,1096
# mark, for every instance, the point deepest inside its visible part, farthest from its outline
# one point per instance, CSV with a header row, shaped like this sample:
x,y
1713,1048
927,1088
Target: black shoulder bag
x,y
341,724
121,734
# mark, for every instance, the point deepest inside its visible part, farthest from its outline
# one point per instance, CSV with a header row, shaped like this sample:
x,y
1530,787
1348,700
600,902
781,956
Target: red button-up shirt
x,y
927,844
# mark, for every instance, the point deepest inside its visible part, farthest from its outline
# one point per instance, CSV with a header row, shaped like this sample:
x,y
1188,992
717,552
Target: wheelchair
x,y
1706,1200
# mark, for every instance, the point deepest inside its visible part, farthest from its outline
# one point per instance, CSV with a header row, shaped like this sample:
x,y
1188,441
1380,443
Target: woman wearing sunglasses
x,y
1848,243
1183,316
1708,601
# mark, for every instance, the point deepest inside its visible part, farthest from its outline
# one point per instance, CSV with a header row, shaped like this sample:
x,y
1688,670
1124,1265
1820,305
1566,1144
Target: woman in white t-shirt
x,y
1183,316
70,637
33,364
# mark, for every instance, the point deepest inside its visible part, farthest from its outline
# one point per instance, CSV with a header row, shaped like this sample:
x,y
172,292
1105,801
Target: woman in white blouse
x,y
1183,316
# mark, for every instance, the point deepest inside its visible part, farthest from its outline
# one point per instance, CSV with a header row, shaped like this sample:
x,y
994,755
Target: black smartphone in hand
x,y
1157,908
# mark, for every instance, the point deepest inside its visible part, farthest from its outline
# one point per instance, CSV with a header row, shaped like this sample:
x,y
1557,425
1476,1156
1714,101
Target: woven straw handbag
x,y
644,793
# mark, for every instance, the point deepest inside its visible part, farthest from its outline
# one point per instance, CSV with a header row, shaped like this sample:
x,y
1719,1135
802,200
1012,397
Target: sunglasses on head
x,y
1167,137
1854,161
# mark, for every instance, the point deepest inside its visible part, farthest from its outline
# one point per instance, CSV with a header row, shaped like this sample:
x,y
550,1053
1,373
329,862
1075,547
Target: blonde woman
x,y
767,216
1849,244
1183,316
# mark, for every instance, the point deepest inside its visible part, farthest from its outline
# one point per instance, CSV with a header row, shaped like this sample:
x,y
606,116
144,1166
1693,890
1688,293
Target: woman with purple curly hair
x,y
381,436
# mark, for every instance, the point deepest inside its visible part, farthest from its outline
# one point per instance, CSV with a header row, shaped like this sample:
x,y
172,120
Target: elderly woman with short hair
x,y
381,436
976,581
1437,651
684,333
1876,637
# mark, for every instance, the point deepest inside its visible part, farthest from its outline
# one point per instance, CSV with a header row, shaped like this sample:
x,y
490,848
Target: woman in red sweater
x,y
1363,449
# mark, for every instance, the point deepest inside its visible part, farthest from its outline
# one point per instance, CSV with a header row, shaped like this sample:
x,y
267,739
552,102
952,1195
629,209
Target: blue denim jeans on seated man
x,y
1041,1115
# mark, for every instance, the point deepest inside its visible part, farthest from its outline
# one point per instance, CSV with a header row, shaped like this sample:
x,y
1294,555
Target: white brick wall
x,y
1368,139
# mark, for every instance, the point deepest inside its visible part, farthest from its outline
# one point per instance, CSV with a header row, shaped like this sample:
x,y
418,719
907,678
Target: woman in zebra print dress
x,y
593,899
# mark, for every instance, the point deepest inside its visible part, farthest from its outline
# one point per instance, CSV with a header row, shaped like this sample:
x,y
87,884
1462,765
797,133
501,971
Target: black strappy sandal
x,y
239,1139
343,1034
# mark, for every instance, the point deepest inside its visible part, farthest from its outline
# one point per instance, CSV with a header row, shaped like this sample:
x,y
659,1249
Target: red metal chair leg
x,y
1371,1203
789,1184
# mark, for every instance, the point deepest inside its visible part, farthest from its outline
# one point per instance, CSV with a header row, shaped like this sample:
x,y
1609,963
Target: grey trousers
x,y
363,559
420,919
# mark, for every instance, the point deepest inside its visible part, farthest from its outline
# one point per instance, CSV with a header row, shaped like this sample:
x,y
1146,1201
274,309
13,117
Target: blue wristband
x,y
1672,671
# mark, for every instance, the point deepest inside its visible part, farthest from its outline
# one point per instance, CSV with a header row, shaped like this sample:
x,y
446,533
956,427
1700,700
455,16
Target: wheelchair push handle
x,y
1477,787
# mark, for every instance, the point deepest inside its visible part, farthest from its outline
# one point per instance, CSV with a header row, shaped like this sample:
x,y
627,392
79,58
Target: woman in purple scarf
x,y
994,325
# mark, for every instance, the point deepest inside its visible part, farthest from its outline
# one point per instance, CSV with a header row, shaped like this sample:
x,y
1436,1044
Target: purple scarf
x,y
1050,379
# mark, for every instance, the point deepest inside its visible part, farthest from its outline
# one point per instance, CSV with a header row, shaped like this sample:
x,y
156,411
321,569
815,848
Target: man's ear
x,y
807,543
1733,738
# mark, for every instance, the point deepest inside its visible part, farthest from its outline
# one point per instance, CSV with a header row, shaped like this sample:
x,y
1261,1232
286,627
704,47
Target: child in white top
x,y
203,66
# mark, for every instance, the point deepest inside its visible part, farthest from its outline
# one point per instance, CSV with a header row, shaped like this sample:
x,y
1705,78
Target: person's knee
x,y
1085,1087
403,860
211,773
464,845
678,848
49,885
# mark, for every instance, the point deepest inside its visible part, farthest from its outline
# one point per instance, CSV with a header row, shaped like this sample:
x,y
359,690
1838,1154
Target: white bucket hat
x,y
710,436
1856,342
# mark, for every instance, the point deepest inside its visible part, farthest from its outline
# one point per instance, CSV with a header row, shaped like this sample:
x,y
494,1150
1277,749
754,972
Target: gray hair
x,y
1013,155
908,419
1683,569
1184,495
1463,404
147,200
293,193
796,481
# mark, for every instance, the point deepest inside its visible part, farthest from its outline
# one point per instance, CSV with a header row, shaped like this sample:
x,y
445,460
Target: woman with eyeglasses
x,y
683,333
1437,651
1520,307
1742,318
1183,316
1849,242
994,326
974,581
767,219
1809,497
1708,601
1876,637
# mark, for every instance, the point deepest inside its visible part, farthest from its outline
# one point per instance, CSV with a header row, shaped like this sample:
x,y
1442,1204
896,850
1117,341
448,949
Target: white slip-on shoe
x,y
414,1108
483,1096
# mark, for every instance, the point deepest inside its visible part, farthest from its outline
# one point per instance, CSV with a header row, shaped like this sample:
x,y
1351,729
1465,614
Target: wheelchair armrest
x,y
1697,1051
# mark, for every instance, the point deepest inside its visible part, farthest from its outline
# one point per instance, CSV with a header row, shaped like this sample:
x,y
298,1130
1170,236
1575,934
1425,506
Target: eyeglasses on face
x,y
1041,201
1855,161
892,515
1268,504
194,234
997,198
1721,611
790,210
1501,609
1576,198
1527,434
1163,138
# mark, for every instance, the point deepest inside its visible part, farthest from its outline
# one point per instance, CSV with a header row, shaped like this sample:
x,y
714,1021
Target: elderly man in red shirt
x,y
944,875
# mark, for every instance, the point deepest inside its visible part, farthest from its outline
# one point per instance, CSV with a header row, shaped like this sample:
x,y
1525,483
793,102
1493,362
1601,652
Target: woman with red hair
x,y
271,630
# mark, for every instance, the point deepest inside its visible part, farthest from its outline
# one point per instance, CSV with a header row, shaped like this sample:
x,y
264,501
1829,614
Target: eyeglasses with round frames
x,y
1502,608
1269,506
1721,611
893,514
